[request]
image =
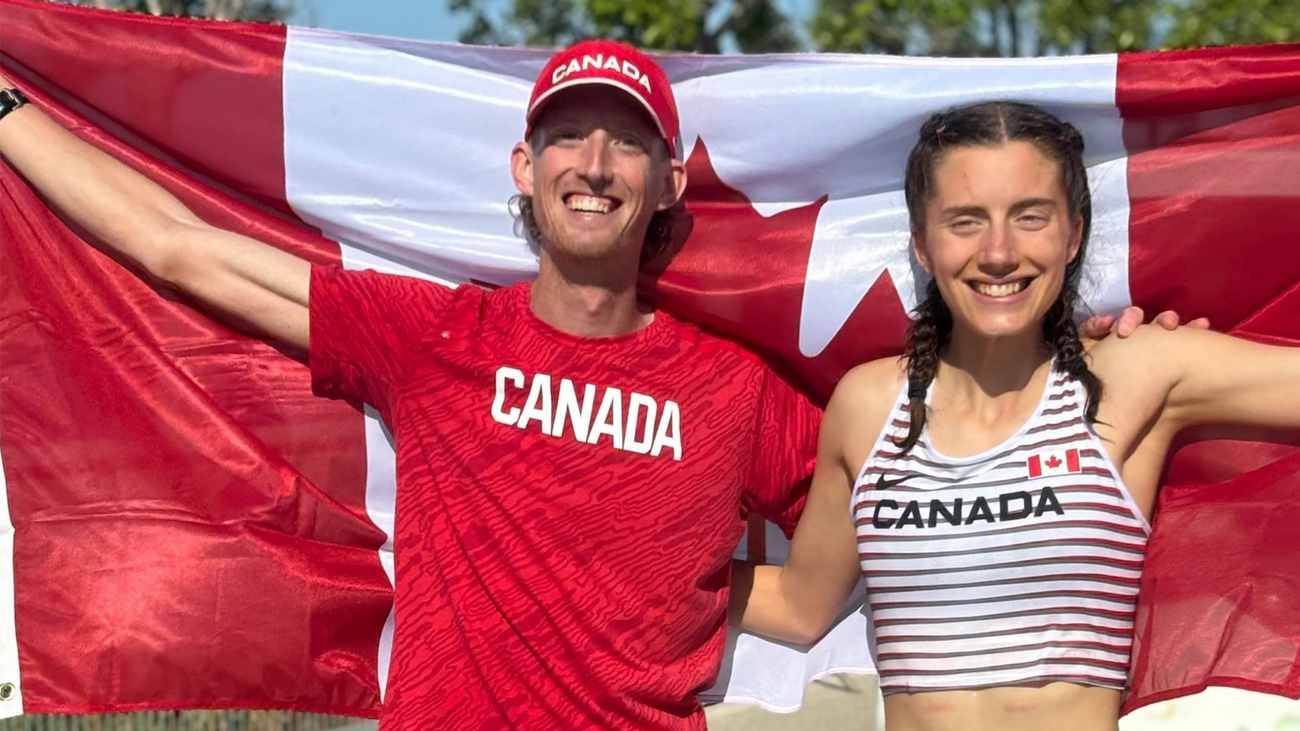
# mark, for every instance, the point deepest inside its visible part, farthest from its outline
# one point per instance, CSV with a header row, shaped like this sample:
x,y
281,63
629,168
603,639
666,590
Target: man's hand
x,y
1099,327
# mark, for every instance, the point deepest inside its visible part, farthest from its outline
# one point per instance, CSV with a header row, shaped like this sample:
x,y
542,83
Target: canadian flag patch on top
x,y
1054,462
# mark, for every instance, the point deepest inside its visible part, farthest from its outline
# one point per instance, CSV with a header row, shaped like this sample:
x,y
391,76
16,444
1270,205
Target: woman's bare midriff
x,y
1052,707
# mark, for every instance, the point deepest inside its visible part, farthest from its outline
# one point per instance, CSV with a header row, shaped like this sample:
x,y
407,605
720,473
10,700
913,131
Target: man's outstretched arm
x,y
245,280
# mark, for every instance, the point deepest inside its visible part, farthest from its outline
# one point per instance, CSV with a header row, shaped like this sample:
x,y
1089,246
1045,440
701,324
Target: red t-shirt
x,y
567,507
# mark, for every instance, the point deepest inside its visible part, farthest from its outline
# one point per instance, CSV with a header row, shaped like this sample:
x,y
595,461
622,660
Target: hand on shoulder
x,y
1140,360
1145,341
1209,377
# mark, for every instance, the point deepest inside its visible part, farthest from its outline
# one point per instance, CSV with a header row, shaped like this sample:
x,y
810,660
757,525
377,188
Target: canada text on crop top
x,y
1018,565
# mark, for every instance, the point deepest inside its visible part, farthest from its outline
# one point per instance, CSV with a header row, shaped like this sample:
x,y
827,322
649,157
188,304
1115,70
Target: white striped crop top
x,y
1016,566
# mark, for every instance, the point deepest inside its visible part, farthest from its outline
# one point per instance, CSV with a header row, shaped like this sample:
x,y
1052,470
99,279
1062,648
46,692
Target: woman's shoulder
x,y
882,377
869,389
860,407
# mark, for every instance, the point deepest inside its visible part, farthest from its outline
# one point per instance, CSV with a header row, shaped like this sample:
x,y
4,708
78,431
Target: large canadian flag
x,y
184,525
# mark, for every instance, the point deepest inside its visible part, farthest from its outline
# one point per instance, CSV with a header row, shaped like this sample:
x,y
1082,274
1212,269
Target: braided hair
x,y
991,124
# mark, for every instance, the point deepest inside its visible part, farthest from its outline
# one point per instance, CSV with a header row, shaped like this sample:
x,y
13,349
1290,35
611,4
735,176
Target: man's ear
x,y
674,185
521,167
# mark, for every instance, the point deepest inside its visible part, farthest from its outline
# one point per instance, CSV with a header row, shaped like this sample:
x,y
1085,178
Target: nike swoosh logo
x,y
884,483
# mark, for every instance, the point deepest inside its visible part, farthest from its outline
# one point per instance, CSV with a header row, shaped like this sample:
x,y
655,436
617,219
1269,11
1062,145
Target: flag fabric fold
x,y
188,527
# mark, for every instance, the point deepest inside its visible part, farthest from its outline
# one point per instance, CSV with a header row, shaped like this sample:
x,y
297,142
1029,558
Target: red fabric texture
x,y
1213,185
547,581
181,502
206,93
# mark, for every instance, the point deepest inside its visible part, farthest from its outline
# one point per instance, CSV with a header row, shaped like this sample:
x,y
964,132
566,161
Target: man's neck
x,y
593,304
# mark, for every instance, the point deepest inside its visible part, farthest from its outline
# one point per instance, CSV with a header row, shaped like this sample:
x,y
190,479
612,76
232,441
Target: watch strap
x,y
11,99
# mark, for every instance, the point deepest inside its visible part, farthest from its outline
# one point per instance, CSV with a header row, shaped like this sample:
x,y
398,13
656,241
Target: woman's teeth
x,y
1001,290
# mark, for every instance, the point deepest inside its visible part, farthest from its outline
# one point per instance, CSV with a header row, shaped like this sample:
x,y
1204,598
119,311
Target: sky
x,y
427,20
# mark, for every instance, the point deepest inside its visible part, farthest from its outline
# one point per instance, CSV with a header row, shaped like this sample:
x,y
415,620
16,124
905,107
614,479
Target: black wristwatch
x,y
10,99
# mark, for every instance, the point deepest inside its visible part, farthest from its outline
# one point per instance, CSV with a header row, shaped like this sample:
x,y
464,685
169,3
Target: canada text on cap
x,y
612,64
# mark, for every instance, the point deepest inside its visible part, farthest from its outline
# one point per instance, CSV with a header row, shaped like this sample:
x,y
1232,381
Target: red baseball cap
x,y
613,64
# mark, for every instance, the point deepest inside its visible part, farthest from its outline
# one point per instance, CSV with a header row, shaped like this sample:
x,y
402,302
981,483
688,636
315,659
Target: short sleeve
x,y
784,453
363,327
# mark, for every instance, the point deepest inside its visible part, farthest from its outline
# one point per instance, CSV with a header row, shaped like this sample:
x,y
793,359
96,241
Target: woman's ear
x,y
1076,239
918,250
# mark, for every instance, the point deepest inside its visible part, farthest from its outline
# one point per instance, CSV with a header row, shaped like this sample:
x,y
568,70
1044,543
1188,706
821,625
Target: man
x,y
582,587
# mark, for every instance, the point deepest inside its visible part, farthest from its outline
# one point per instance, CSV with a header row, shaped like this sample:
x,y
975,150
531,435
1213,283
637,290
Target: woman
x,y
1001,479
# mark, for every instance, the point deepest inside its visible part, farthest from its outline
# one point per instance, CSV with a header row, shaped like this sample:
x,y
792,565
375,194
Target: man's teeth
x,y
588,204
1000,290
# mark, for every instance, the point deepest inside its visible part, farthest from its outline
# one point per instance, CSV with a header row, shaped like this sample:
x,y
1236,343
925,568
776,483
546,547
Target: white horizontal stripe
x,y
1063,565
952,546
991,619
983,662
981,556
947,611
1001,678
1014,585
908,537
1028,636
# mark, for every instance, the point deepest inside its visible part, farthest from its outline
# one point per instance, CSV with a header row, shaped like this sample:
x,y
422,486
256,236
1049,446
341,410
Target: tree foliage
x,y
1047,27
703,26
1231,22
915,27
984,27
267,11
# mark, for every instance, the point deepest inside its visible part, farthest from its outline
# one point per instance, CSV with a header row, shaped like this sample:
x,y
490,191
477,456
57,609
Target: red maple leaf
x,y
743,274
1054,462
